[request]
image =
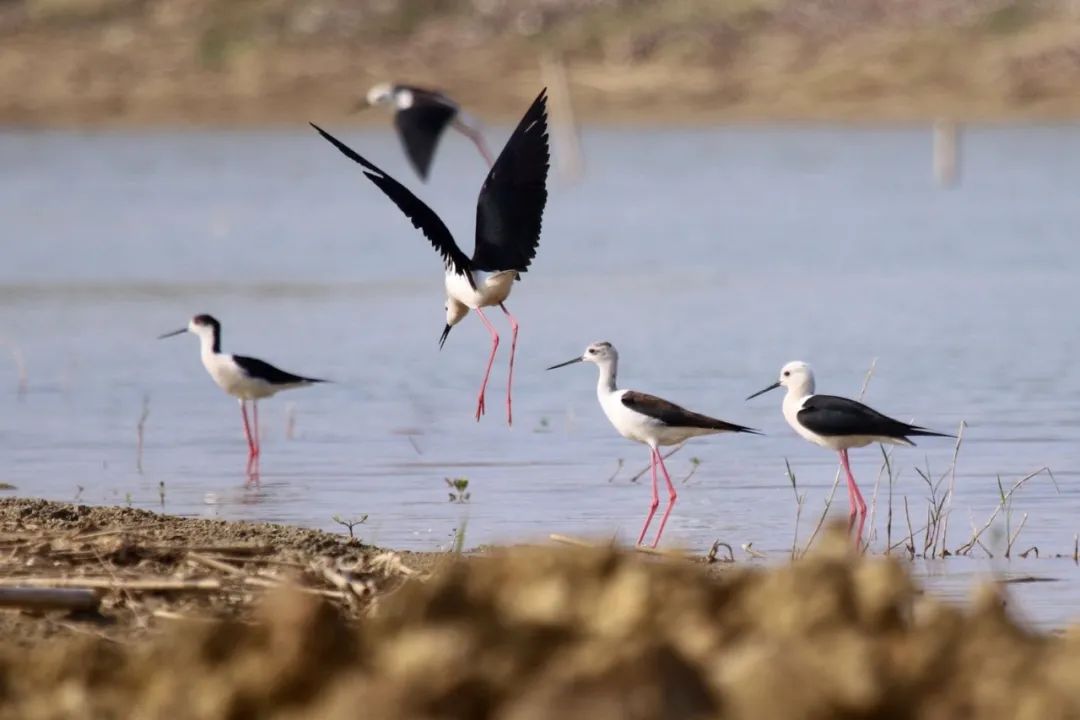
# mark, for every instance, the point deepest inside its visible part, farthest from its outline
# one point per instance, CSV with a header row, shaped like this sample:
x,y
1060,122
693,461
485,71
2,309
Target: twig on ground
x,y
1012,538
952,486
714,551
911,534
967,547
38,598
799,500
140,432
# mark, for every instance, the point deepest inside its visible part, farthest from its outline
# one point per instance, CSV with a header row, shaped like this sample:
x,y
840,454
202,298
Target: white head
x,y
796,376
601,353
380,94
455,313
206,327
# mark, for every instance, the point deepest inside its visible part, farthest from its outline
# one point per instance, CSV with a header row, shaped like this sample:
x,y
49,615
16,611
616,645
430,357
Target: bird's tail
x,y
732,427
916,431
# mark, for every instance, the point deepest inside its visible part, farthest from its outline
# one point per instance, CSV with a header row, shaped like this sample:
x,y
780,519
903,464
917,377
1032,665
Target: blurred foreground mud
x,y
531,633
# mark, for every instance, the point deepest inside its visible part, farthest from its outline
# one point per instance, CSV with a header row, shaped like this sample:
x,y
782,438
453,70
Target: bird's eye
x,y
787,373
592,351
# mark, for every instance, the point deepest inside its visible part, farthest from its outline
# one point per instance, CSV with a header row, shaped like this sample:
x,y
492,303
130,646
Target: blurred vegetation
x,y
282,61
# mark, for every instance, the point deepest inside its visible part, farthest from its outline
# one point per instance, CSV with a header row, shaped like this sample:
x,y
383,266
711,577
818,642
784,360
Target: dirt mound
x,y
128,573
535,633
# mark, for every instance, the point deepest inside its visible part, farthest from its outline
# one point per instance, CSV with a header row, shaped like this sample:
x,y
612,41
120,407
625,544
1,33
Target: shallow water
x,y
708,257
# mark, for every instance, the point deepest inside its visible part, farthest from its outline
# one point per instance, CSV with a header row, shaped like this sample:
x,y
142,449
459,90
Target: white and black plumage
x,y
509,214
245,378
421,117
647,419
839,423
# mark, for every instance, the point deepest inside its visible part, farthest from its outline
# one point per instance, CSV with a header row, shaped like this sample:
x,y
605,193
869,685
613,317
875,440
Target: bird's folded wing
x,y
830,415
674,415
262,370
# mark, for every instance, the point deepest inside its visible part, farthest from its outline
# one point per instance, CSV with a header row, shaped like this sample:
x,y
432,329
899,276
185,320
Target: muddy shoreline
x,y
330,626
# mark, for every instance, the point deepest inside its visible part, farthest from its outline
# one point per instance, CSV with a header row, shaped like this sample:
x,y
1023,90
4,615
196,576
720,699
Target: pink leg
x,y
491,360
655,500
247,430
477,139
257,436
672,497
510,377
857,504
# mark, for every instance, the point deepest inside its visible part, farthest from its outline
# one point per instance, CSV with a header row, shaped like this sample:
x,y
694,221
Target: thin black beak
x,y
568,362
762,392
171,334
442,338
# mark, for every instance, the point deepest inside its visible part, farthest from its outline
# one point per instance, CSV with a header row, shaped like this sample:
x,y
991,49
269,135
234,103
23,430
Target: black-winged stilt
x,y
509,213
840,424
421,116
647,419
245,378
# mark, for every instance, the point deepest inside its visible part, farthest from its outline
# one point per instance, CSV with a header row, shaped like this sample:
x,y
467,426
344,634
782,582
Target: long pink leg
x,y
672,497
477,139
858,505
655,500
491,360
510,377
257,436
247,429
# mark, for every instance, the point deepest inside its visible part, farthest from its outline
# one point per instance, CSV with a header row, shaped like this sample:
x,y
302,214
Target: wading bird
x,y
647,419
840,424
421,116
245,378
509,213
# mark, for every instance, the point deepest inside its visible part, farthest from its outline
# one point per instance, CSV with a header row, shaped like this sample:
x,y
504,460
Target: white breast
x,y
230,378
491,288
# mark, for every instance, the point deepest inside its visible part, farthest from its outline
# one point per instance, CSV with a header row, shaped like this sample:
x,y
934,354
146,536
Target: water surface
x,y
709,258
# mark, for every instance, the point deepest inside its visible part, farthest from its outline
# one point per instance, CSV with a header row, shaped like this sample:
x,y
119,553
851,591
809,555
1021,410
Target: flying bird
x,y
840,424
509,213
246,378
647,419
421,117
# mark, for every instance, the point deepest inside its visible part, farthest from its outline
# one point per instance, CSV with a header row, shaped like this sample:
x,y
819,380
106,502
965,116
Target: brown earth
x,y
530,633
284,62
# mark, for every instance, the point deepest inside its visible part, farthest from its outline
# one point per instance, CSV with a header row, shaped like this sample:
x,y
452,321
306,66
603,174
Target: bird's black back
x,y
675,415
510,209
833,416
263,370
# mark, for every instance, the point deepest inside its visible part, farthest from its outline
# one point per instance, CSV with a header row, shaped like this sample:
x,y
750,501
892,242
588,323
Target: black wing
x,y
675,415
257,368
421,215
420,128
511,205
830,415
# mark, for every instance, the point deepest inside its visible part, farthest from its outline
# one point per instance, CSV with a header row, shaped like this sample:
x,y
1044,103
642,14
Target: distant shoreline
x,y
213,64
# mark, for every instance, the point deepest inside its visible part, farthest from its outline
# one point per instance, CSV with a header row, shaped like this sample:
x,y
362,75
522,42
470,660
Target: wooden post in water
x,y
946,152
564,127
